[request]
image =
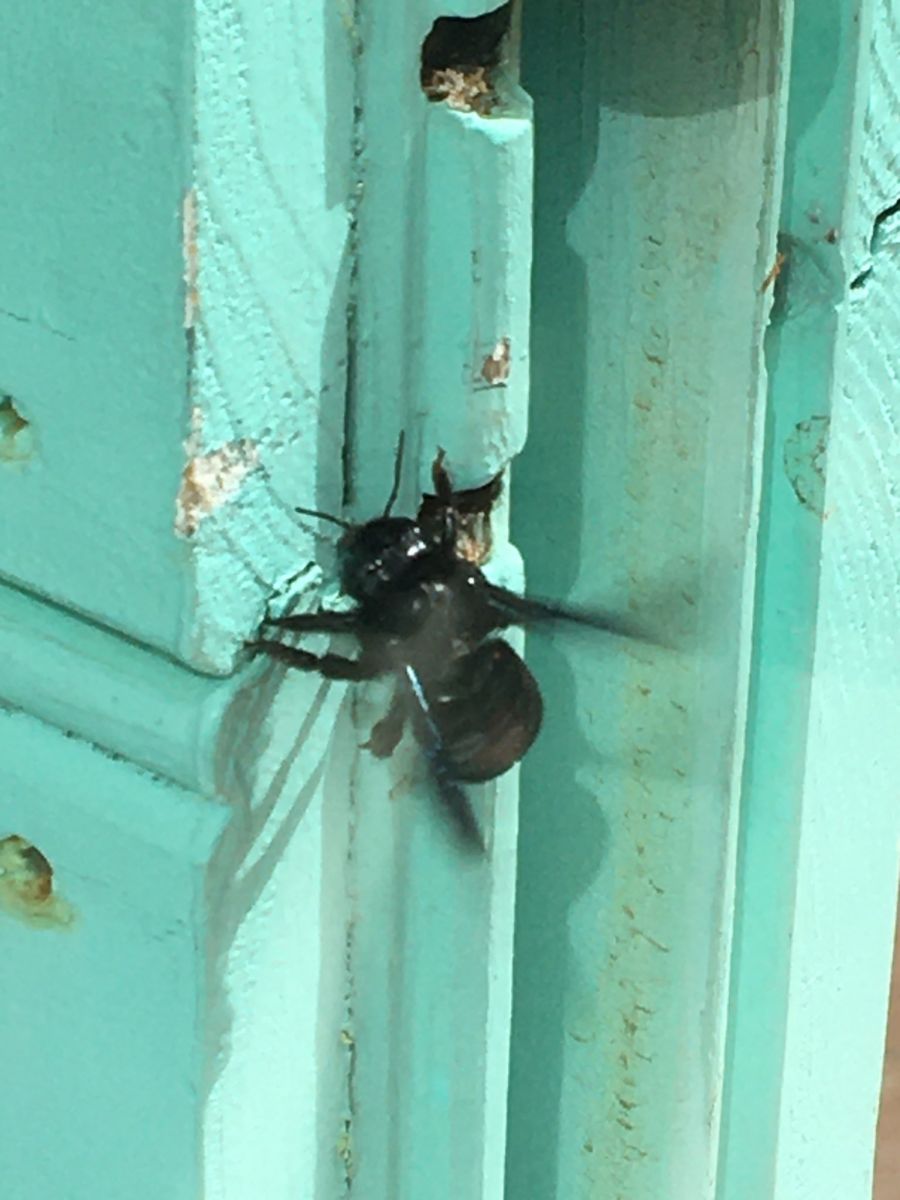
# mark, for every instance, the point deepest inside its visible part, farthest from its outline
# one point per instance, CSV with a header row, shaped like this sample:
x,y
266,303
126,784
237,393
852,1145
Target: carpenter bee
x,y
426,615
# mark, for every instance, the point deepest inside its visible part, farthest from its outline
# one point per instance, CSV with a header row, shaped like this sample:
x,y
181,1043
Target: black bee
x,y
427,615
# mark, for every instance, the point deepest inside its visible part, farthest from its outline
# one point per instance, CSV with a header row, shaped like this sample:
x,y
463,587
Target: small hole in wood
x,y
24,870
460,56
16,440
26,885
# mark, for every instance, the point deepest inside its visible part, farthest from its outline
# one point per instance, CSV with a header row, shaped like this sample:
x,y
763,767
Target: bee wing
x,y
512,609
452,796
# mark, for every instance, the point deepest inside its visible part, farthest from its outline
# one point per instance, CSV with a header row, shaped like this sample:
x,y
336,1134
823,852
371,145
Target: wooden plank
x,y
788,1127
205,967
443,237
111,692
657,165
277,1050
268,245
102,1001
91,317
194,249
847,866
173,307
842,937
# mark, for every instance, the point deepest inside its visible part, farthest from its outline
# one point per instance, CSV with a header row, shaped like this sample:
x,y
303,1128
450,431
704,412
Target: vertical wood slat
x,y
92,346
268,244
817,879
847,861
443,239
658,132
102,1013
173,307
241,183
823,123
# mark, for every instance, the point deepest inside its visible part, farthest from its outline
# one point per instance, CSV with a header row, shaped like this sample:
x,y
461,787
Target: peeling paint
x,y
495,368
16,442
210,479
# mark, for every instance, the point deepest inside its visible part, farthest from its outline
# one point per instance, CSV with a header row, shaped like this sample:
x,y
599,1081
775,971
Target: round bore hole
x,y
26,885
459,57
16,439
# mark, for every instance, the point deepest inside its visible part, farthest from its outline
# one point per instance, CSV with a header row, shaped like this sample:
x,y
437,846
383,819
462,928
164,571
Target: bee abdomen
x,y
488,711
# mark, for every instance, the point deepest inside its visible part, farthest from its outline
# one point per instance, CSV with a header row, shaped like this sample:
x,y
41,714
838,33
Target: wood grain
x,y
818,861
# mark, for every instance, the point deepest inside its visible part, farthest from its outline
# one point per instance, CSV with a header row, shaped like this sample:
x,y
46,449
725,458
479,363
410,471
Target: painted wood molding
x,y
244,246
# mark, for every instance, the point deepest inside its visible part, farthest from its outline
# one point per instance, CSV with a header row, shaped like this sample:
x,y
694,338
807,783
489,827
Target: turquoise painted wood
x,y
92,342
658,161
241,252
820,819
332,915
844,877
175,244
431,950
172,306
102,994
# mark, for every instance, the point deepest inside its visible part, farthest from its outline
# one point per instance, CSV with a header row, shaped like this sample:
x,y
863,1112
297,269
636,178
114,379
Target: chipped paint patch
x,y
26,886
16,441
210,479
495,368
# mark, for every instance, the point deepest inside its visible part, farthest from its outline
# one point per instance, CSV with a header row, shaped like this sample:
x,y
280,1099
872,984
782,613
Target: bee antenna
x,y
398,467
324,516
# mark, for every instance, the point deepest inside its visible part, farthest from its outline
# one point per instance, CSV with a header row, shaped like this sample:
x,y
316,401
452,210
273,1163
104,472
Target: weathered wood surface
x,y
241,252
443,230
850,834
174,239
351,979
172,307
817,884
657,151
103,998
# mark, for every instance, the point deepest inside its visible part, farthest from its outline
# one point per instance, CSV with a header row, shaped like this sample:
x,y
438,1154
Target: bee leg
x,y
316,622
331,666
440,478
387,732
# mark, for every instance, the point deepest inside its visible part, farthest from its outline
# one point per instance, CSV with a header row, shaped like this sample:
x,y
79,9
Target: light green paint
x,y
201,996
818,812
656,150
174,241
444,241
272,156
101,1019
305,987
92,346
